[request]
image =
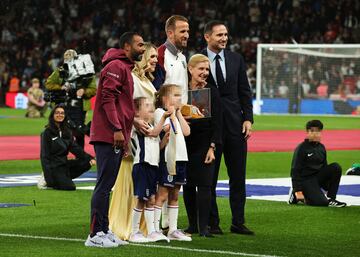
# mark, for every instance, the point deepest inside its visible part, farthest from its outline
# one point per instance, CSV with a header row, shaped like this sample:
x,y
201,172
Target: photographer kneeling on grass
x,y
56,143
310,172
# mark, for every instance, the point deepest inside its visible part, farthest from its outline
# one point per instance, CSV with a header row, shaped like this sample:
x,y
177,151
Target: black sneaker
x,y
336,203
292,197
353,171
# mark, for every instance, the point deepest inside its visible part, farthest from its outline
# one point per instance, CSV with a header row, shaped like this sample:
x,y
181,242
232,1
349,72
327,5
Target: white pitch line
x,y
143,245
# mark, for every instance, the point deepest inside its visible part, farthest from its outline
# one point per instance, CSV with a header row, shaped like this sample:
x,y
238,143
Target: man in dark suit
x,y
228,72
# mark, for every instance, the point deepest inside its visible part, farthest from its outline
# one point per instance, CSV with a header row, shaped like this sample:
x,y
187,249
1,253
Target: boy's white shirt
x,y
152,148
181,151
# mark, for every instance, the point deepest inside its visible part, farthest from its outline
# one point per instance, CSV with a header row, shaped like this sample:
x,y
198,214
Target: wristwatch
x,y
213,146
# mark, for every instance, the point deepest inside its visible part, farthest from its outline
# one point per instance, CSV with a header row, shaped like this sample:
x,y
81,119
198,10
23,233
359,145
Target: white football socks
x,y
149,219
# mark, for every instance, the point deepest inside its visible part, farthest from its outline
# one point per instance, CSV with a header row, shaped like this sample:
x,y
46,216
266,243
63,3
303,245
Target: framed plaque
x,y
199,104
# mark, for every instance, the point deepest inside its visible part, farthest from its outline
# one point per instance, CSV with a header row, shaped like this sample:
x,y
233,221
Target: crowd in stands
x,y
35,33
298,75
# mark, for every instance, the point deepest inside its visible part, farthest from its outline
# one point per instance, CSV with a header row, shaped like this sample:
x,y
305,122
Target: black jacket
x,y
208,130
236,96
309,158
55,148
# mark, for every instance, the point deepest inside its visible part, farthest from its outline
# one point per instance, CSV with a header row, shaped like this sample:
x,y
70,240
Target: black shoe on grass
x,y
336,203
292,197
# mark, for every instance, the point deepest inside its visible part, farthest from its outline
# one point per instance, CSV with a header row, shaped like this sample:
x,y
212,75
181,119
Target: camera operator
x,y
74,93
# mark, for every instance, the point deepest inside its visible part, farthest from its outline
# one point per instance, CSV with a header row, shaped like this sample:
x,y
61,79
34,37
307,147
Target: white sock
x,y
173,217
136,220
157,215
149,219
165,215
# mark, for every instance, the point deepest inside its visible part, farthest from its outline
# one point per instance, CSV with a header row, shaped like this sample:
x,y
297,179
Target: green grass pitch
x,y
281,230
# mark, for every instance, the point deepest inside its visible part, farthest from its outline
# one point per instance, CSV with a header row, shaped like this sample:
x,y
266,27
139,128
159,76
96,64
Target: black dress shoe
x,y
241,229
191,230
215,230
206,234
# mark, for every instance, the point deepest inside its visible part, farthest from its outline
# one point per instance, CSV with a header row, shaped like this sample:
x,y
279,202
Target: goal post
x,y
308,79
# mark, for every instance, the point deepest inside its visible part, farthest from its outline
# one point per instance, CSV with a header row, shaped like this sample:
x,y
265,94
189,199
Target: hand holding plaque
x,y
199,104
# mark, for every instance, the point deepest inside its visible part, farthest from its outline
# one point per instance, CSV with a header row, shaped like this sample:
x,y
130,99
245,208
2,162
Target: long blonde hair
x,y
141,66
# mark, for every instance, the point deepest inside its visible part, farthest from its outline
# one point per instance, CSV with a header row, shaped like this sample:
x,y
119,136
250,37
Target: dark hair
x,y
138,101
163,91
127,38
64,127
211,24
170,22
314,124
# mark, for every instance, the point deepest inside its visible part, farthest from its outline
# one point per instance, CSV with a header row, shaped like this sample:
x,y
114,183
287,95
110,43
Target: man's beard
x,y
179,45
136,56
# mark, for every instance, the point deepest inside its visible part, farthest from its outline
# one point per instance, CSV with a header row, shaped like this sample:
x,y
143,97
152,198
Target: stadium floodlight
x,y
308,78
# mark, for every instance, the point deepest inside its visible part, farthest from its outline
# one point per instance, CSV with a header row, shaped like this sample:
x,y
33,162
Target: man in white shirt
x,y
174,65
171,58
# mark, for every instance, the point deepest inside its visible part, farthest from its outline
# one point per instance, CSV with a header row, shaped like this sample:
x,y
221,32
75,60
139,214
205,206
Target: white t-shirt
x,y
181,152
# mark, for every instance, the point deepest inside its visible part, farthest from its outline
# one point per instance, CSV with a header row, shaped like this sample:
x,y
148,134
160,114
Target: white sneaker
x,y
113,238
156,236
41,182
138,238
100,240
178,235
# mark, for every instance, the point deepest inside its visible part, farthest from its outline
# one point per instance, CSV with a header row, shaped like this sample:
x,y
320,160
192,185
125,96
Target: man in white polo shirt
x,y
171,58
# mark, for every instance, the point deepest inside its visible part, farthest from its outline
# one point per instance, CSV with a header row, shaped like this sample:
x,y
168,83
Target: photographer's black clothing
x,y
75,107
58,170
76,117
310,173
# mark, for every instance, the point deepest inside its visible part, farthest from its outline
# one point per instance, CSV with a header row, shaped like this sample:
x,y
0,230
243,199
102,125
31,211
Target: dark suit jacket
x,y
236,96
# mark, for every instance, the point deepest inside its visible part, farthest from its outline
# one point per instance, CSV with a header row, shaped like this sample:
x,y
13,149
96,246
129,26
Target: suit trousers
x,y
197,203
234,149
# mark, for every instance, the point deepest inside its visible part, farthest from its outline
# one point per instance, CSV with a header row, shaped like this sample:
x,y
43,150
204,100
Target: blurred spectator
x,y
305,87
283,90
93,26
334,79
36,104
322,89
14,84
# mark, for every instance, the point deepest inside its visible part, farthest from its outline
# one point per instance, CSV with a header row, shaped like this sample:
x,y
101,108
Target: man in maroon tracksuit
x,y
110,131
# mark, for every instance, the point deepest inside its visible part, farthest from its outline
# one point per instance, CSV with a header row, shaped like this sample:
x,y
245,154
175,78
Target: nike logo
x,y
310,154
54,138
97,243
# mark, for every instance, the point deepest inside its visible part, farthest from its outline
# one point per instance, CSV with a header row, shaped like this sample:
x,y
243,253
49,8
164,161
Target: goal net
x,y
308,79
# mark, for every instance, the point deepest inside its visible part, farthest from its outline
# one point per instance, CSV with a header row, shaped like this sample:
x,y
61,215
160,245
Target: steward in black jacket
x,y
56,143
309,158
310,172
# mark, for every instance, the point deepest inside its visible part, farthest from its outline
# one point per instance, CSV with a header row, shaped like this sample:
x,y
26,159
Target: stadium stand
x,y
35,33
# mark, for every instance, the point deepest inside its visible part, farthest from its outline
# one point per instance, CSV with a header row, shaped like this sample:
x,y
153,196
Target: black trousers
x,y
108,163
77,116
197,202
234,149
62,177
328,178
